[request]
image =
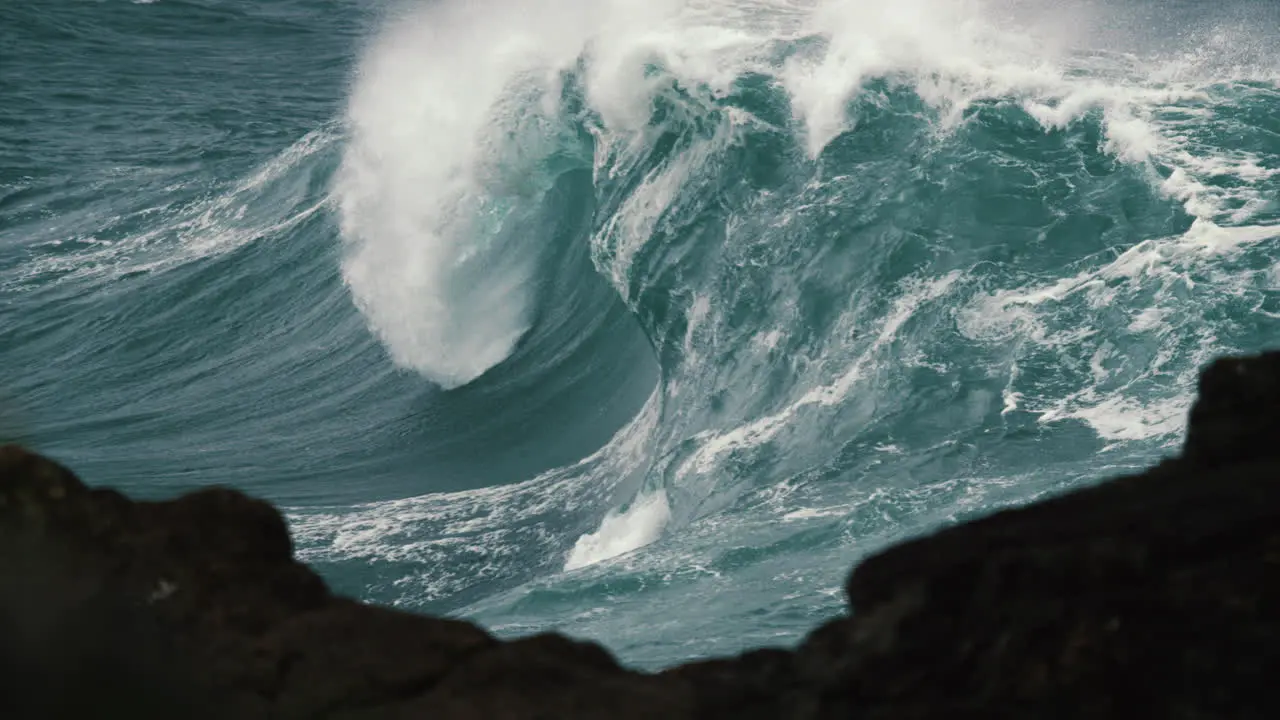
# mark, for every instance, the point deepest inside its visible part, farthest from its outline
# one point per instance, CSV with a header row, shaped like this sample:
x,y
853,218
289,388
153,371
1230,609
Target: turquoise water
x,y
640,321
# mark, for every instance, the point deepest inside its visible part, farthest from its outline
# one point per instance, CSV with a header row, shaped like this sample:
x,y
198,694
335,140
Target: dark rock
x,y
1153,595
348,655
757,684
237,621
1235,418
1148,595
549,676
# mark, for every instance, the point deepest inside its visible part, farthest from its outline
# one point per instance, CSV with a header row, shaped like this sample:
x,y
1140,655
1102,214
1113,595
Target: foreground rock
x,y
1155,595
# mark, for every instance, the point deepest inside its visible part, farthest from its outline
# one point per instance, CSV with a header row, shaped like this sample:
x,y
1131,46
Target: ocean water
x,y
640,321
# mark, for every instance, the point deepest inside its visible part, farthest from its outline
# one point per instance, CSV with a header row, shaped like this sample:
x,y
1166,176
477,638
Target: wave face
x,y
641,321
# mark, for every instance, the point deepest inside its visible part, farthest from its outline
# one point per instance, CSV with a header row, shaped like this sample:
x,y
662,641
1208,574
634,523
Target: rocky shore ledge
x,y
1155,595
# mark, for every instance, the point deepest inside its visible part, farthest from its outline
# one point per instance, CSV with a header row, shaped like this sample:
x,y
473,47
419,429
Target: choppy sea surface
x,y
642,321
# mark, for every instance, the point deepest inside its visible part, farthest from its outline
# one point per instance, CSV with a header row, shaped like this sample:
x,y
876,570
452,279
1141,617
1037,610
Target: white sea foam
x,y
622,531
494,528
713,445
1118,417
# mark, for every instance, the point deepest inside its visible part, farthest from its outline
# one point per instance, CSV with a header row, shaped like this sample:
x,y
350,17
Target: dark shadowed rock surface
x,y
1154,595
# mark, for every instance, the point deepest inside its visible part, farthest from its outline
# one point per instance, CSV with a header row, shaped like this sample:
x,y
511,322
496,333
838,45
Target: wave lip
x,y
440,165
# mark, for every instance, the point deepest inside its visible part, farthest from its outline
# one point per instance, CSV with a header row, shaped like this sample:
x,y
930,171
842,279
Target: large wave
x,y
897,262
693,302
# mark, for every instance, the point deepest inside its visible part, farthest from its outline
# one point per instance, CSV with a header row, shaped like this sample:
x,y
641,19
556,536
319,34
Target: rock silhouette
x,y
1151,595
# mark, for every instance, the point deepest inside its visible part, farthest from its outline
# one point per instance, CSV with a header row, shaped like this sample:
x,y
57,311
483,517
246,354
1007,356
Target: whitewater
x,y
642,321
